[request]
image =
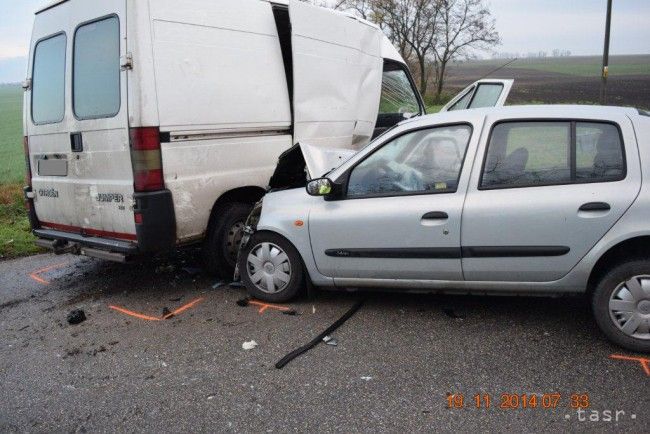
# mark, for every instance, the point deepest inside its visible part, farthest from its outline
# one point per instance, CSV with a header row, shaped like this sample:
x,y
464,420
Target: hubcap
x,y
629,307
233,241
268,267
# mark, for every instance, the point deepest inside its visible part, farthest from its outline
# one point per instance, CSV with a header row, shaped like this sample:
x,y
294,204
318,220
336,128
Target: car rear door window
x,y
528,153
48,80
537,153
96,69
422,161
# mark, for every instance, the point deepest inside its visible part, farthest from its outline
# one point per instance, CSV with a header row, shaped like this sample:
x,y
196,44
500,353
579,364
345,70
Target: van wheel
x,y
621,305
271,268
224,235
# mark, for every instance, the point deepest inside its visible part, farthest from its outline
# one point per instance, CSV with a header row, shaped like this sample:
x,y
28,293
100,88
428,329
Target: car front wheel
x,y
271,268
621,305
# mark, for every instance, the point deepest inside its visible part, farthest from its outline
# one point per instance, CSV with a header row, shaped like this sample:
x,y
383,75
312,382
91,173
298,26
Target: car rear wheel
x,y
621,305
271,268
224,236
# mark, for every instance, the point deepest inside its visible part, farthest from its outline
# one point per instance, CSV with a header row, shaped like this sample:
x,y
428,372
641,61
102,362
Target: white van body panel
x,y
218,66
337,74
78,199
222,94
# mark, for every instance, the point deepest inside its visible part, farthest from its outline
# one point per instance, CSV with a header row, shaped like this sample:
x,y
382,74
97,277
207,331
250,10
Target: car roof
x,y
527,111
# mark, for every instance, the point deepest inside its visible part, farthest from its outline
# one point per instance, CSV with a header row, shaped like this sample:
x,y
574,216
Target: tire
x,y
290,269
628,307
224,234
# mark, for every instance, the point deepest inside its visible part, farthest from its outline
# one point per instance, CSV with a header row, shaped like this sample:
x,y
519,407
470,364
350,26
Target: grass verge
x,y
16,238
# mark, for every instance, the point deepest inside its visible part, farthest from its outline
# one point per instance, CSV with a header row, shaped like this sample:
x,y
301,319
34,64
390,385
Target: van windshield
x,y
397,93
48,80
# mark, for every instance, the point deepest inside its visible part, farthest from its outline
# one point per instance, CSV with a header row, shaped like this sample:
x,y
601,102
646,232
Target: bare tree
x,y
429,33
464,25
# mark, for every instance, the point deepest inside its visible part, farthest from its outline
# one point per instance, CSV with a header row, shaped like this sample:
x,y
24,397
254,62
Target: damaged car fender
x,y
286,213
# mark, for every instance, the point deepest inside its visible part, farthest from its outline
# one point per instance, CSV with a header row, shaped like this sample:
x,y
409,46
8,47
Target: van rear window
x,y
96,69
48,80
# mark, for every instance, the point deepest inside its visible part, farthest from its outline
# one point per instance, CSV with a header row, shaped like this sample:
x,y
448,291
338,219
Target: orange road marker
x,y
645,363
155,318
264,306
35,275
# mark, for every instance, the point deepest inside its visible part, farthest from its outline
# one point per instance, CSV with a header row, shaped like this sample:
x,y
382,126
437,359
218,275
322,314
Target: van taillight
x,y
28,166
146,159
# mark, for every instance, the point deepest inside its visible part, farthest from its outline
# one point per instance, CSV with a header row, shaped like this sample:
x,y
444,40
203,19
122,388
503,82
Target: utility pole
x,y
605,71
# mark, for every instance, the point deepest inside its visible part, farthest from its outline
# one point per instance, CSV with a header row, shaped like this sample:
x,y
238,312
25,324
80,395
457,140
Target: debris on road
x,y
164,269
366,378
192,271
166,313
243,302
297,352
313,308
219,284
330,341
249,345
290,312
236,285
77,316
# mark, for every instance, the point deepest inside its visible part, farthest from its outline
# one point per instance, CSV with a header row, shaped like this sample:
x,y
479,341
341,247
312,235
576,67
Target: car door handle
x,y
595,206
435,215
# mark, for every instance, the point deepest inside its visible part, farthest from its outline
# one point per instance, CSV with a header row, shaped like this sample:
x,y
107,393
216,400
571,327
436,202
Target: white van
x,y
156,124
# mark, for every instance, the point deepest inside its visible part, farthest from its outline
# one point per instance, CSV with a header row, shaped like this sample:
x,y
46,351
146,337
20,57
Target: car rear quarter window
x,y
538,153
599,152
96,69
48,80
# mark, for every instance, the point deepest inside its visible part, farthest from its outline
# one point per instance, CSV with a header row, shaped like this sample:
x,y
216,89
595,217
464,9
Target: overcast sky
x,y
525,26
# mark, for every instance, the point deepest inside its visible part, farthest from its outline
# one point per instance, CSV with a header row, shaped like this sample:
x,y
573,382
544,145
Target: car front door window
x,y
423,161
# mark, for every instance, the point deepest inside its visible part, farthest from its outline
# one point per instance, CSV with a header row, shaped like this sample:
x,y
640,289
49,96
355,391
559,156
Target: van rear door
x,y
337,74
76,120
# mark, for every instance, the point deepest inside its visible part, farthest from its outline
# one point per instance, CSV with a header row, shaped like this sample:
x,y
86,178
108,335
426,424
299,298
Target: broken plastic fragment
x,y
77,316
249,345
290,312
330,341
366,378
219,284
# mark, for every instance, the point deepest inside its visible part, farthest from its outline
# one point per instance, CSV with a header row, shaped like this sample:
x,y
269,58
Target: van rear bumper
x,y
155,232
62,242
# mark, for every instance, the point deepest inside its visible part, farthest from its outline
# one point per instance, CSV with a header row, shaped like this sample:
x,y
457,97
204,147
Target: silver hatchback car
x,y
533,200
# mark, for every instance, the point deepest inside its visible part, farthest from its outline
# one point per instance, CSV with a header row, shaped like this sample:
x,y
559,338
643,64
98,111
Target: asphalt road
x,y
397,359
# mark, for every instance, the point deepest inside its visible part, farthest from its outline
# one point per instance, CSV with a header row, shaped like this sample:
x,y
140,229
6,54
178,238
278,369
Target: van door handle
x,y
435,215
595,206
76,142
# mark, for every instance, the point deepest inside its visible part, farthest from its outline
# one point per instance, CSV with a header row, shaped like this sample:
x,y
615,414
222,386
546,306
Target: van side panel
x,y
199,172
218,65
222,97
92,188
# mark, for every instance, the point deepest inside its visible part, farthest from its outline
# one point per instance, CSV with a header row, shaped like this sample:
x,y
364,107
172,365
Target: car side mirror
x,y
320,187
